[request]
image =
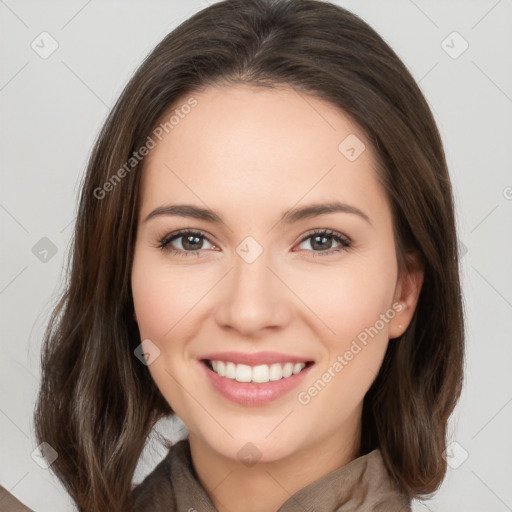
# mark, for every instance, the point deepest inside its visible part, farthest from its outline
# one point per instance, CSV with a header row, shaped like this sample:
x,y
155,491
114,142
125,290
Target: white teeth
x,y
230,370
276,372
287,369
243,373
297,368
221,368
259,374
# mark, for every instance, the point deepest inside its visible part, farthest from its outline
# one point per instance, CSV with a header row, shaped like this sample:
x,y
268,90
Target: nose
x,y
254,297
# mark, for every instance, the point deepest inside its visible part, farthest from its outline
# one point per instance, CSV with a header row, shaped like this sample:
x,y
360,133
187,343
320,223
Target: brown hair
x,y
97,402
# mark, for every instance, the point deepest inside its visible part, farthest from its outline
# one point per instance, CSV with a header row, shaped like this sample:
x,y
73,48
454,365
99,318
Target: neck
x,y
233,486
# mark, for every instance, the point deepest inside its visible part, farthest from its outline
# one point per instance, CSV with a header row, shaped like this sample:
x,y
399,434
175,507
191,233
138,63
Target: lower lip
x,y
249,393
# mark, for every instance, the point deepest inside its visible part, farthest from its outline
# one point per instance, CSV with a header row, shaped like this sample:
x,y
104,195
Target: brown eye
x,y
322,241
188,242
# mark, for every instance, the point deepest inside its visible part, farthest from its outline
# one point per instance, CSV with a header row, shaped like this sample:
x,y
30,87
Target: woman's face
x,y
253,284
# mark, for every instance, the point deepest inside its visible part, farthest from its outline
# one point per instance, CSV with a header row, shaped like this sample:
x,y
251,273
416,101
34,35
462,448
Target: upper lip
x,y
255,358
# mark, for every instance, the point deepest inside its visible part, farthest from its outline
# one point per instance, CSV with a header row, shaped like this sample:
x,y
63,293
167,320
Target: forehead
x,y
252,147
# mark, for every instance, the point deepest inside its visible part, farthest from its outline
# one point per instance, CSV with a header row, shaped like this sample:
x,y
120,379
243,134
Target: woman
x,y
256,137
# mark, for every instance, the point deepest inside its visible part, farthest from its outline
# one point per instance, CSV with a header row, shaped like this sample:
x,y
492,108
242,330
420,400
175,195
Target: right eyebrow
x,y
186,210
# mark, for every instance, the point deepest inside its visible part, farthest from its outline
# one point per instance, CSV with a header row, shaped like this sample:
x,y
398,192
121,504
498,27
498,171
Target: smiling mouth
x,y
257,374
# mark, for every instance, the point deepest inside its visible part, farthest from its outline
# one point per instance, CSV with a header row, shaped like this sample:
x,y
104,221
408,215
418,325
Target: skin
x,y
250,154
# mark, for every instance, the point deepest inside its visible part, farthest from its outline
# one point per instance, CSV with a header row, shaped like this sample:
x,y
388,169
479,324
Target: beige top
x,y
362,485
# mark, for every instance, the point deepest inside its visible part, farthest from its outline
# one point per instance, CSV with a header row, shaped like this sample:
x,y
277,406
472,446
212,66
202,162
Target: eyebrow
x,y
288,217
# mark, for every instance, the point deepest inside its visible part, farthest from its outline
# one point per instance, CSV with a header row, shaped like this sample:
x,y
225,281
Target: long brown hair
x,y
97,402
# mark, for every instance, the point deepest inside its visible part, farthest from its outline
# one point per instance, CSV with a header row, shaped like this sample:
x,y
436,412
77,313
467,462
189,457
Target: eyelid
x,y
166,239
327,232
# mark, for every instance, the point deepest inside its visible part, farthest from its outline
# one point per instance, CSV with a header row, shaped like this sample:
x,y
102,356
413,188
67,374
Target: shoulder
x,y
383,491
156,493
363,484
10,502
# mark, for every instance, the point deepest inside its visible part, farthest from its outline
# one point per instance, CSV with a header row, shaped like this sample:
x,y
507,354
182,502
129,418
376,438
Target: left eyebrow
x,y
313,210
290,216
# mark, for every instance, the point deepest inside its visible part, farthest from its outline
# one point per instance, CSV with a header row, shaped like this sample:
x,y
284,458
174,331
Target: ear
x,y
407,292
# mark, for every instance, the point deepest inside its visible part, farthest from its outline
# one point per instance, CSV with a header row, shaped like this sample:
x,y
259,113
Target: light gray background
x,y
53,108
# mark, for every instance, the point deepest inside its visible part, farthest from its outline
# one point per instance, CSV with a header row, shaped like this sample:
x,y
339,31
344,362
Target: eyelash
x,y
345,243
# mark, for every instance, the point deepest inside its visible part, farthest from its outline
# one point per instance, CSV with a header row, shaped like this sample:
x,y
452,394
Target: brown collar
x,y
362,485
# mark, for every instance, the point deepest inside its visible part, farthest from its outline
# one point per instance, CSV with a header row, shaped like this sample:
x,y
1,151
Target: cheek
x,y
150,304
355,304
349,298
163,296
164,310
354,355
345,300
